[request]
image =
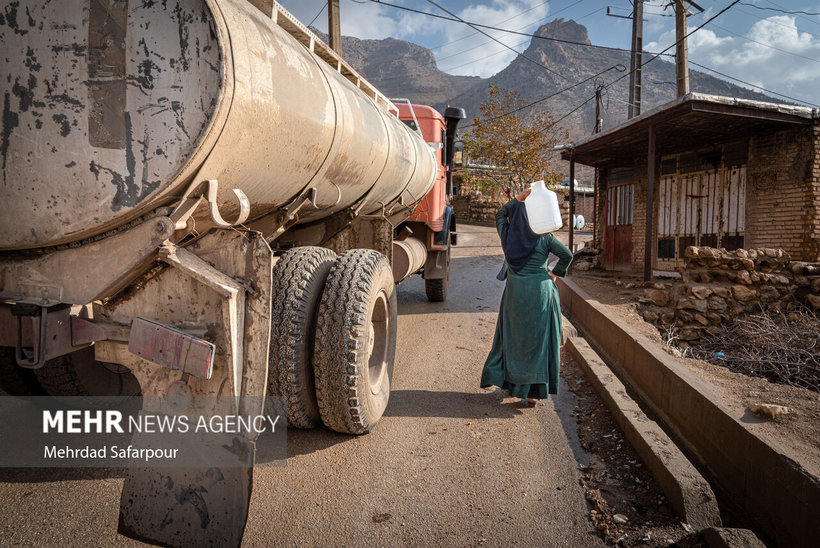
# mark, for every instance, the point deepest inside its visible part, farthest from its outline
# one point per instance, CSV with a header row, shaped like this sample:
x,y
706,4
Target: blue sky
x,y
753,41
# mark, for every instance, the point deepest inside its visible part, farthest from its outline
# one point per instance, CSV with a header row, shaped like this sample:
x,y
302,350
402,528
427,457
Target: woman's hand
x,y
553,276
523,196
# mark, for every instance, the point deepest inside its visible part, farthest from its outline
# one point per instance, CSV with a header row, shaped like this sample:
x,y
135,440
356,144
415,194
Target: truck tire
x,y
16,380
355,342
298,280
79,374
436,289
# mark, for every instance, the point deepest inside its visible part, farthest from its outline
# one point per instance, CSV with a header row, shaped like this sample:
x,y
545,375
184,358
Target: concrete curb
x,y
567,330
719,537
689,494
777,491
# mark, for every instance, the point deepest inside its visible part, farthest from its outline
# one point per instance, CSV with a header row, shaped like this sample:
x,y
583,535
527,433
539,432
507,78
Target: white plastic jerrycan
x,y
542,209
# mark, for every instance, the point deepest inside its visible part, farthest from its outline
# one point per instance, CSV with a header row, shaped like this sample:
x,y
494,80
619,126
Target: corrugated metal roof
x,y
690,121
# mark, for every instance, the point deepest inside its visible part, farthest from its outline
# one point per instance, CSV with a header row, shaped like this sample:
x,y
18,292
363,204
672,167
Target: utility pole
x,y
636,59
681,51
334,28
599,123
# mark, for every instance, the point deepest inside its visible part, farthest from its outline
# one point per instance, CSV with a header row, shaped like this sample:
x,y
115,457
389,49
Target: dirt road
x,y
449,464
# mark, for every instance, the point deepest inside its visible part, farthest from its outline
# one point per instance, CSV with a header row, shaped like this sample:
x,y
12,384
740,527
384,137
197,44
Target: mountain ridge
x,y
403,69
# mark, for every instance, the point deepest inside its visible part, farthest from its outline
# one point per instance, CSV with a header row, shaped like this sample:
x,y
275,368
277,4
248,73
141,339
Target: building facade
x,y
709,171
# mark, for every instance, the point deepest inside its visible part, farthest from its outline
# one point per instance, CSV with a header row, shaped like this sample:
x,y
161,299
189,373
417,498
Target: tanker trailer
x,y
203,193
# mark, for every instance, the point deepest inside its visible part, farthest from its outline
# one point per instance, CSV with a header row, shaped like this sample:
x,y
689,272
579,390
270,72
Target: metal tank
x,y
114,108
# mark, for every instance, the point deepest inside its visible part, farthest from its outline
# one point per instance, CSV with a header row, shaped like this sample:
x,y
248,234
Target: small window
x,y
666,248
411,124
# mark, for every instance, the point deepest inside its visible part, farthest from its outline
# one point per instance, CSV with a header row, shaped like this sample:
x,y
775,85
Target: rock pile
x,y
719,285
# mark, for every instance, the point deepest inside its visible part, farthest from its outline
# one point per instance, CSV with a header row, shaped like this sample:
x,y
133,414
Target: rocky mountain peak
x,y
564,30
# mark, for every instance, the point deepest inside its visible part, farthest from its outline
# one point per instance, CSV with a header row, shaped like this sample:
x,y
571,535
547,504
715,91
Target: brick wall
x,y
639,217
600,209
812,235
783,192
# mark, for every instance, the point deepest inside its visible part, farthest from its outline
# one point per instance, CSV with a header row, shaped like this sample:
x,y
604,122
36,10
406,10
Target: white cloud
x,y
473,53
773,54
459,48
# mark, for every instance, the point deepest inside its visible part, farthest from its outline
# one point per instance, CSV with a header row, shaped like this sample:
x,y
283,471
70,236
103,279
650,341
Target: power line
x,y
753,85
781,10
801,16
769,20
440,59
766,45
479,59
550,96
504,21
655,55
324,5
508,31
499,41
690,33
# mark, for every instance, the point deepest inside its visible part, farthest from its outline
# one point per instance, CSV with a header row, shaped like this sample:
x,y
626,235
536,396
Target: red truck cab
x,y
433,221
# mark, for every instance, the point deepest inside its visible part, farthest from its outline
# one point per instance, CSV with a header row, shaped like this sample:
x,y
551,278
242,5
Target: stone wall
x,y
718,285
476,209
481,210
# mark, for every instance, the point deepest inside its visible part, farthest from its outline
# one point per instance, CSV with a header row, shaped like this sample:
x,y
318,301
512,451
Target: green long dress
x,y
526,353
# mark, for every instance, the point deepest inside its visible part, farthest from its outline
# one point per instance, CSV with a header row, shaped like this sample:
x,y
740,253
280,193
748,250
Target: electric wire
x,y
687,35
767,19
754,85
781,10
324,5
618,67
610,48
504,21
533,61
801,16
795,54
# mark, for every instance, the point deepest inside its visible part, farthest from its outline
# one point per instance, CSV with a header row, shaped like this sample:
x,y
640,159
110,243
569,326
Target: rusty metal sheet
x,y
168,346
187,507
106,107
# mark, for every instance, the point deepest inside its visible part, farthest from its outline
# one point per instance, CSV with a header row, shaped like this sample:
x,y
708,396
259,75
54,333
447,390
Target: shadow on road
x,y
472,286
41,475
304,442
458,405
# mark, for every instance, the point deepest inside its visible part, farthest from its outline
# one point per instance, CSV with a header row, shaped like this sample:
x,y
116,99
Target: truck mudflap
x,y
446,235
224,282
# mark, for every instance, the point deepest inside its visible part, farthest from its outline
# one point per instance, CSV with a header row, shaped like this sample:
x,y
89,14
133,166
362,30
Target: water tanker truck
x,y
199,197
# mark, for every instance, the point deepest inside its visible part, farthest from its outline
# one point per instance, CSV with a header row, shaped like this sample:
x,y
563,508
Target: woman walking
x,y
526,353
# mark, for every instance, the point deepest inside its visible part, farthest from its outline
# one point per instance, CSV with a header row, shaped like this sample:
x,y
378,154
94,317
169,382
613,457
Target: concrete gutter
x,y
689,494
777,491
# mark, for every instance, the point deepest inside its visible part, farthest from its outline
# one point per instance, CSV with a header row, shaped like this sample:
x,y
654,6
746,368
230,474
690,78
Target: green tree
x,y
516,140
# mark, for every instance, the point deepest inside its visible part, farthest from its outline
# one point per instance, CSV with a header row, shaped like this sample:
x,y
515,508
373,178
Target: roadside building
x,y
705,170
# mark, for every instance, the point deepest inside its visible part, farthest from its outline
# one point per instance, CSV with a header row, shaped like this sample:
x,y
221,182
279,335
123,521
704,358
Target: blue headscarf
x,y
517,238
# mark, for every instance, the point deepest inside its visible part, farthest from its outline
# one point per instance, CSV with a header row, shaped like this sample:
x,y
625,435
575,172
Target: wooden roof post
x,y
571,202
650,204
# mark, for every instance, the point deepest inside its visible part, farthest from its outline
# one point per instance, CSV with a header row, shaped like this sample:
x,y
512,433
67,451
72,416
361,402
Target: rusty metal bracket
x,y
38,349
233,304
196,193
